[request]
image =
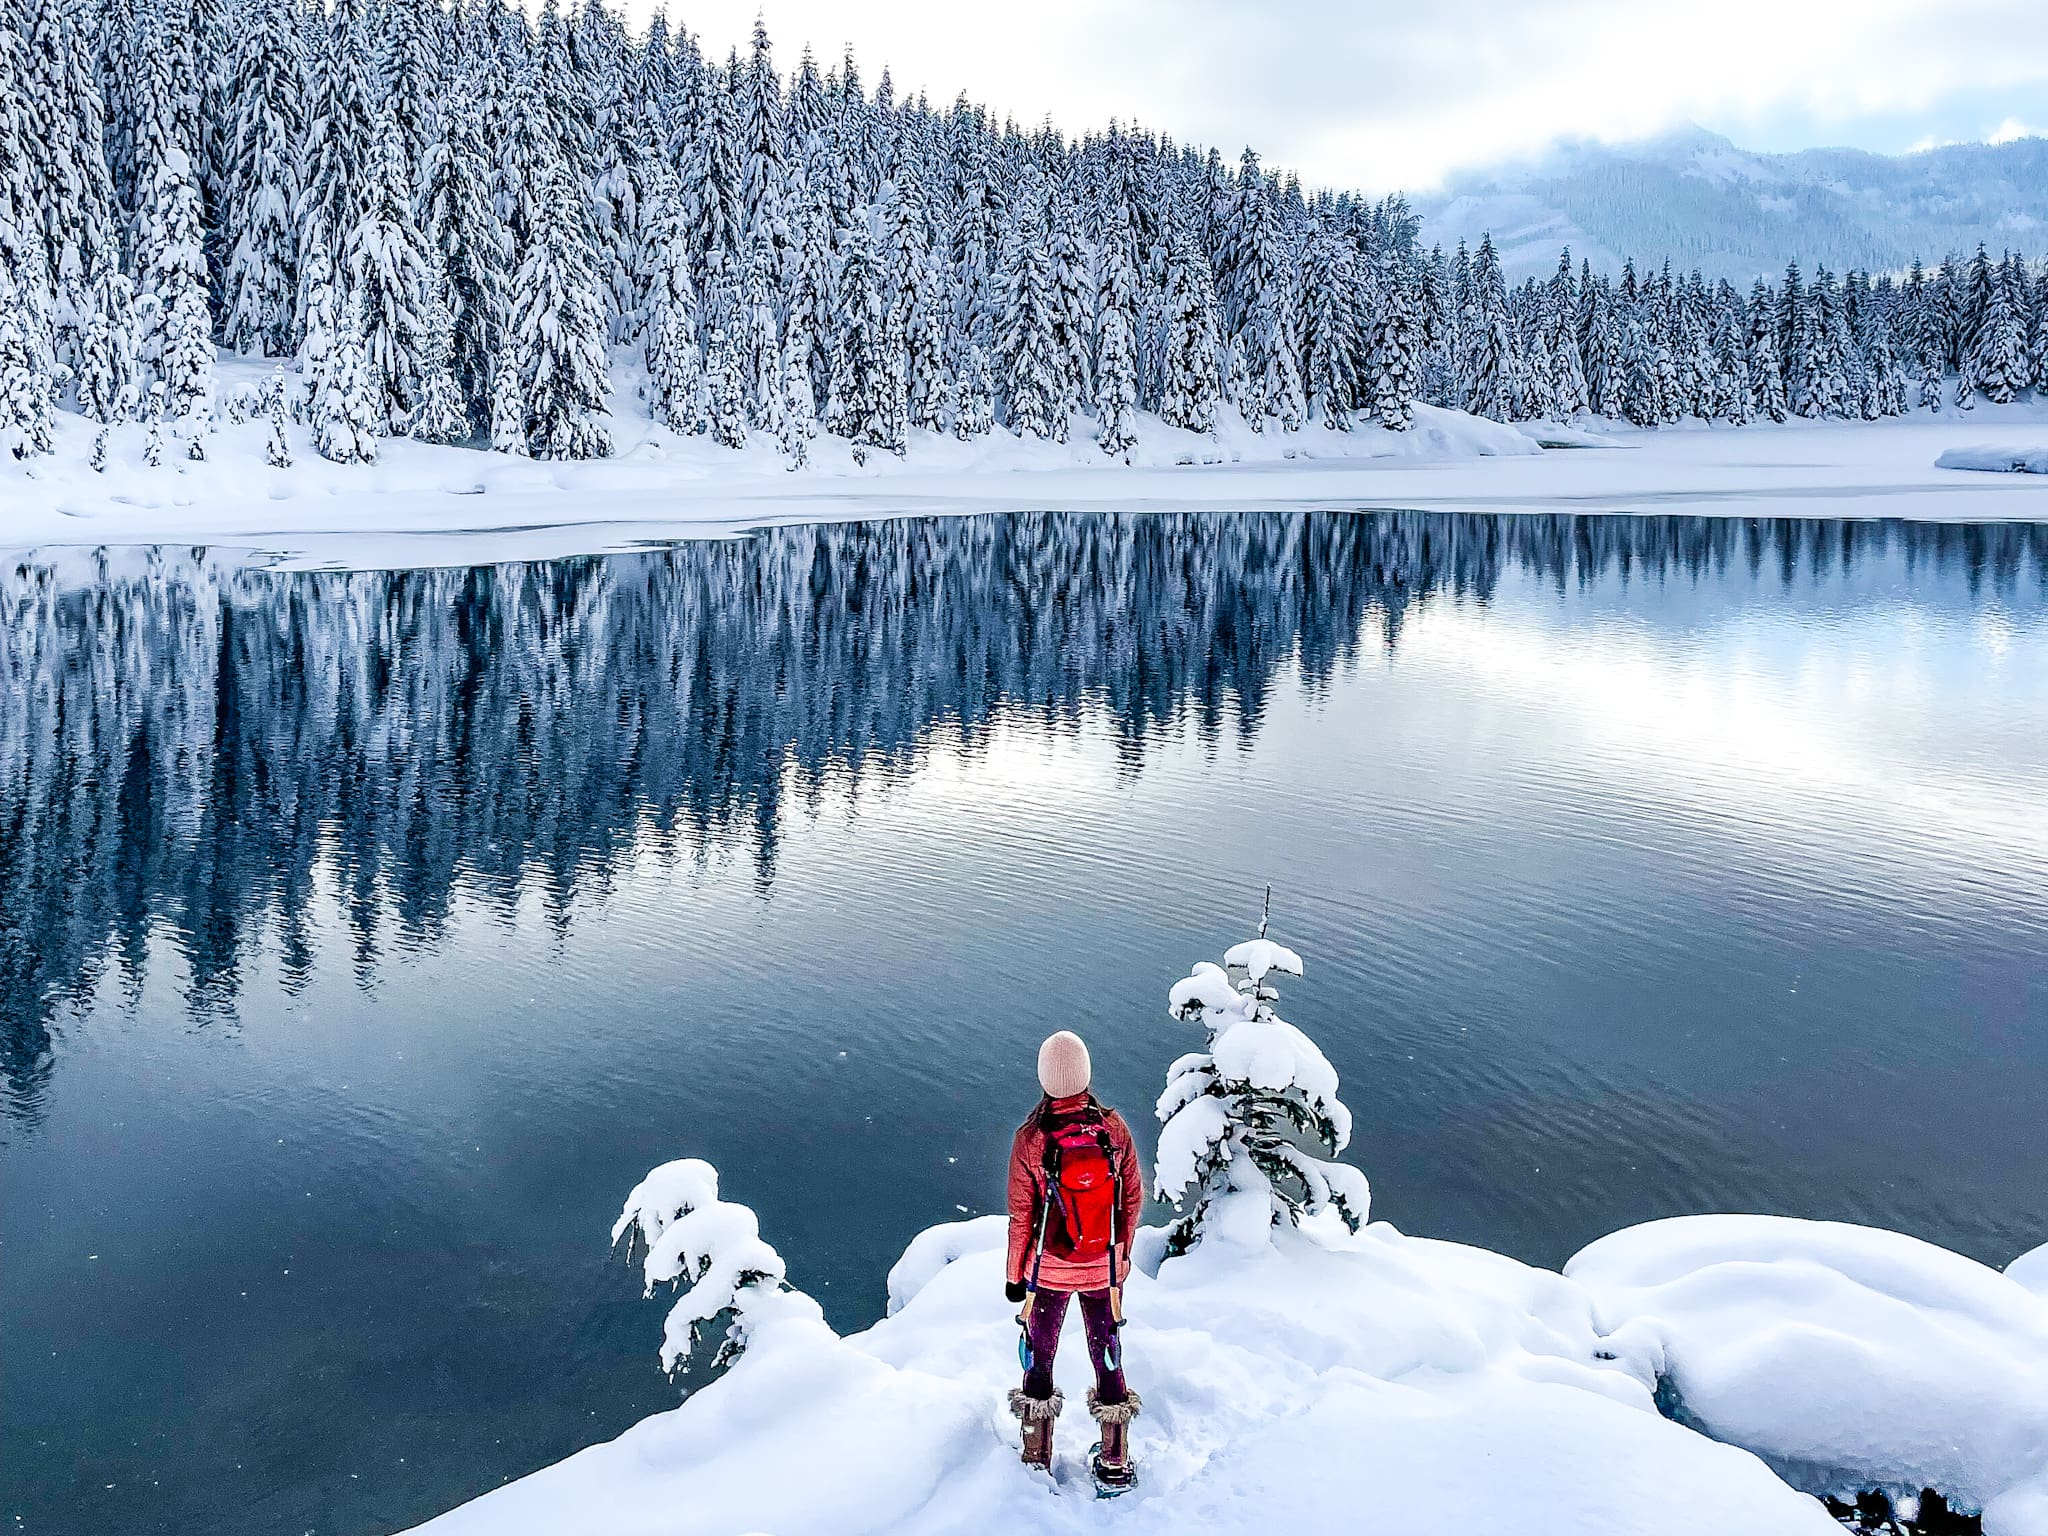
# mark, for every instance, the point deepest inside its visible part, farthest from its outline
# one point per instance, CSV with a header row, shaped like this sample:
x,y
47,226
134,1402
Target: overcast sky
x,y
1394,95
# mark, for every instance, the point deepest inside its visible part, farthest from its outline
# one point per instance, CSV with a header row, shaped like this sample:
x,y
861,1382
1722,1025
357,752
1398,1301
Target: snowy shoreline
x,y
1292,1385
424,505
1300,1367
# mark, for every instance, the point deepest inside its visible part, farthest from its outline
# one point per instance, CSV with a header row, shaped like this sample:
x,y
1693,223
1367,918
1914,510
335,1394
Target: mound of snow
x,y
1848,1358
2030,1269
2005,461
1302,1386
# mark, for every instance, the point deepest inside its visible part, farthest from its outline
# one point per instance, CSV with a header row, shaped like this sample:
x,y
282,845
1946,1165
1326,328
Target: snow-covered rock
x,y
1996,460
1301,1386
1848,1358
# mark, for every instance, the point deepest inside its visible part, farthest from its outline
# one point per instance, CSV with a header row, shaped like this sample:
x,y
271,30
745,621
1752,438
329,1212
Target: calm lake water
x,y
363,938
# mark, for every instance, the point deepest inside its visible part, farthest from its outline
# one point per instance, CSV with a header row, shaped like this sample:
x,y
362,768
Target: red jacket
x,y
1028,1192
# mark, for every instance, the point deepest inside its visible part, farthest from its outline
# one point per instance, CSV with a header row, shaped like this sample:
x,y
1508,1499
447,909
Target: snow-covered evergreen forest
x,y
236,745
467,226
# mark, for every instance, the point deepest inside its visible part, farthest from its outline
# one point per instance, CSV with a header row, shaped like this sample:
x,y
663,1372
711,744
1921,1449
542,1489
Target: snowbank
x,y
425,505
2014,461
1848,1358
1302,1387
420,486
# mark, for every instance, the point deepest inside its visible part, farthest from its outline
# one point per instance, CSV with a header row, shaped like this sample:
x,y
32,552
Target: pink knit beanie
x,y
1063,1068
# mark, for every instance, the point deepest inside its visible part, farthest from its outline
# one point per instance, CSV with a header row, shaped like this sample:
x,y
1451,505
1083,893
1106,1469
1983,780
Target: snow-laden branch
x,y
714,1249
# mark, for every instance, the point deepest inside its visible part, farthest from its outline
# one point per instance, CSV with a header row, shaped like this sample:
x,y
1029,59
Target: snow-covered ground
x,y
425,505
1849,1358
1326,1381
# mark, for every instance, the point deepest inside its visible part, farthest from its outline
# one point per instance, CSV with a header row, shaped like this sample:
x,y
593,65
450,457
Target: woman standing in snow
x,y
1075,1197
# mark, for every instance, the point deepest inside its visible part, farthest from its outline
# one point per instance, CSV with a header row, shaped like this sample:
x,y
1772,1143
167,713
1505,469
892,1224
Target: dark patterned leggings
x,y
1048,1312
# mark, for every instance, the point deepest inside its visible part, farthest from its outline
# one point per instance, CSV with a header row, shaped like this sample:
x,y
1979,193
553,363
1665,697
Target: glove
x,y
1014,1293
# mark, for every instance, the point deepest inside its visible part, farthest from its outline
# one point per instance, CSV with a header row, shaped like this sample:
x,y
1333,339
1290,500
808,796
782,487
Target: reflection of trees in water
x,y
185,744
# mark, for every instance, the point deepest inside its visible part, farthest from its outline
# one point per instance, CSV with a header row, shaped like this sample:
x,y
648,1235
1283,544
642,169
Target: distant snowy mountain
x,y
1694,196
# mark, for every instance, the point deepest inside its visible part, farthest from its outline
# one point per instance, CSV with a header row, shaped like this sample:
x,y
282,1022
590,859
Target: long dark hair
x,y
1041,1112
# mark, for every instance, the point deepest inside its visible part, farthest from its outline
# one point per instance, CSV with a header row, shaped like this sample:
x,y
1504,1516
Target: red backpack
x,y
1081,1181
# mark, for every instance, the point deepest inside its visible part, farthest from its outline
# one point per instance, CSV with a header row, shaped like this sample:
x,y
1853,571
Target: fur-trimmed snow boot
x,y
1111,1461
1036,1415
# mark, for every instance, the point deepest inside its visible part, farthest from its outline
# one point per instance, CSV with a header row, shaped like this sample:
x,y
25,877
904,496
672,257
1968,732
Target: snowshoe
x,y
1111,1480
1110,1458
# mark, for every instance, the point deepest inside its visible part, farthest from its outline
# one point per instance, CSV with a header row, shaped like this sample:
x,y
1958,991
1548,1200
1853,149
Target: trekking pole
x,y
1113,1356
1024,1356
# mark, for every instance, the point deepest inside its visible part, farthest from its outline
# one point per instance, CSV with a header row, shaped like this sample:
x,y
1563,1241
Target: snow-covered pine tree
x,y
320,310
864,374
391,280
162,108
1073,301
1569,396
893,420
1806,387
1605,375
409,66
1886,379
178,279
508,408
25,428
106,364
1267,333
1831,348
439,415
931,383
1972,302
2037,342
810,307
1329,327
1236,1112
975,416
1489,360
1731,358
278,450
726,385
460,222
675,367
153,440
756,340
336,165
796,425
1031,364
348,416
1115,365
763,161
259,216
1395,367
1532,394
1190,382
559,334
62,125
1116,386
1765,379
1640,399
1998,353
1670,403
709,178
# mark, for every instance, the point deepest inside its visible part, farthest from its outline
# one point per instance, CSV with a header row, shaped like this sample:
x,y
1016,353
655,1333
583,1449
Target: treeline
x,y
461,225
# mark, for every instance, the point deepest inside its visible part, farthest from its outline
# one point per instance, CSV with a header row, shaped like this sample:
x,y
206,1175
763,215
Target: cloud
x,y
2012,128
1398,95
